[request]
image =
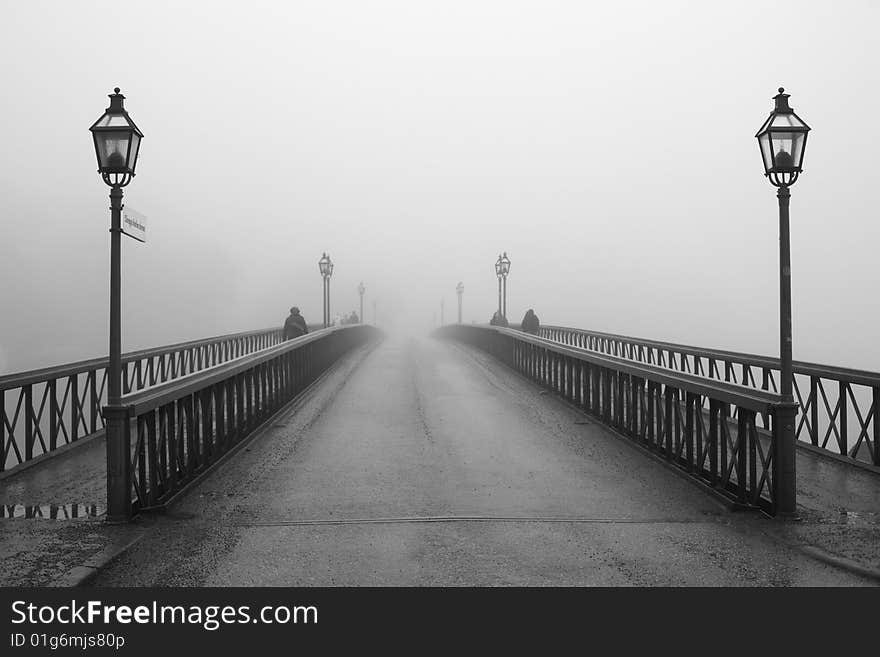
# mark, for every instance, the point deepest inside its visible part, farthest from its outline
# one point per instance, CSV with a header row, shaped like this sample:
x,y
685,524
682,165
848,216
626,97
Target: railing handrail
x,y
152,398
761,401
18,379
849,375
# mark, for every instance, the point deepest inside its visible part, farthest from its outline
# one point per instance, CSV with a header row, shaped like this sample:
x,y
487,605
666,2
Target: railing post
x,y
742,443
29,422
814,410
53,414
875,453
3,451
94,401
690,409
712,440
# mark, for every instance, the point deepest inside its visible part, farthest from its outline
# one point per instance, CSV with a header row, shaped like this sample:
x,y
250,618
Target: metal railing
x,y
838,409
175,432
43,410
707,428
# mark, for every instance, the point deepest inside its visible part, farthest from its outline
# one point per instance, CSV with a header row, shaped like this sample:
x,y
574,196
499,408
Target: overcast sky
x,y
607,147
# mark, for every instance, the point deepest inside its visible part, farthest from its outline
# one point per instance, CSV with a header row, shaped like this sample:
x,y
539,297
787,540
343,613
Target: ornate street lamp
x,y
505,269
782,140
459,289
361,290
325,266
117,142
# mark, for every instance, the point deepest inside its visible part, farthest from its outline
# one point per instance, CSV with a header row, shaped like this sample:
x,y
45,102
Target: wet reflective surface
x,y
425,464
51,511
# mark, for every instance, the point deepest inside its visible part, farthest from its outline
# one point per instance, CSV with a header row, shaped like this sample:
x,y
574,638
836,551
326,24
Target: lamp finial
x,y
782,102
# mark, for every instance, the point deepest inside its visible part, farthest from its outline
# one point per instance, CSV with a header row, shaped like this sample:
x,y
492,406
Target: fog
x,y
608,148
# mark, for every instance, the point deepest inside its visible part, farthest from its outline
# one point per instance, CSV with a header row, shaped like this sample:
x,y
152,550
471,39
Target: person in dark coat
x,y
530,322
294,325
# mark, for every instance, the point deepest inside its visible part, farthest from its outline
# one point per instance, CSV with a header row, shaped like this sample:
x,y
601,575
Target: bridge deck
x,y
428,463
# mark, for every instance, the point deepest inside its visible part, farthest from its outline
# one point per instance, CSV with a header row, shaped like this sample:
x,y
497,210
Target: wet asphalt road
x,y
426,463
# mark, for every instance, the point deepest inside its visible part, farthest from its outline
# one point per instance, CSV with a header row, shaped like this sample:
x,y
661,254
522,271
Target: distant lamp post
x,y
782,141
117,142
361,290
498,274
325,266
459,289
505,269
441,311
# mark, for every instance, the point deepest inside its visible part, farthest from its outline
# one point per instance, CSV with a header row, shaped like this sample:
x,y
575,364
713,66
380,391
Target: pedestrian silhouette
x,y
530,322
294,325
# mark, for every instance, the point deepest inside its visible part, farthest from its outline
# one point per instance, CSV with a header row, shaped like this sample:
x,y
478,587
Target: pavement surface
x,y
424,462
427,463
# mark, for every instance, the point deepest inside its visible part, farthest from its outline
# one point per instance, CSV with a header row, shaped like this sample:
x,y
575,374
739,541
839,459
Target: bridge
x,y
477,455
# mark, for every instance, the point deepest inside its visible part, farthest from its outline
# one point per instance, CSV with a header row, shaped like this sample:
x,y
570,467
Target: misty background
x,y
608,148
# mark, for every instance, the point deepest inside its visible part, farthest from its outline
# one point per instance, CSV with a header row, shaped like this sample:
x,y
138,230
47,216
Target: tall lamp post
x,y
325,266
361,290
782,140
505,269
117,141
459,289
498,274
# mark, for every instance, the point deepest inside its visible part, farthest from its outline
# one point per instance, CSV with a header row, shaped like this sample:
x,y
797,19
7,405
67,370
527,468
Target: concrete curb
x,y
839,562
82,574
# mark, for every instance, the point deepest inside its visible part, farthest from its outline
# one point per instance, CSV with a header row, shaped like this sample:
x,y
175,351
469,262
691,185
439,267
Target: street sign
x,y
134,224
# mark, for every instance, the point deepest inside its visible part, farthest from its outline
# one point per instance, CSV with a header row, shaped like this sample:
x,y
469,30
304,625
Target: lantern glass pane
x,y
135,146
764,142
786,121
112,121
797,148
113,150
788,150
